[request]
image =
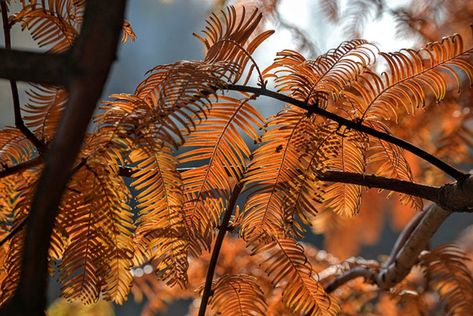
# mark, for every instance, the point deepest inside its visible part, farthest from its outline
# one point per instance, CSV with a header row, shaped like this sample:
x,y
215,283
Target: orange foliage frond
x,y
287,266
447,272
311,80
412,76
47,28
238,295
44,109
14,147
268,179
161,227
341,198
128,33
98,222
221,146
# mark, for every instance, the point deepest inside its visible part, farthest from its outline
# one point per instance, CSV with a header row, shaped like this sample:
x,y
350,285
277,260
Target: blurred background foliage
x,y
164,34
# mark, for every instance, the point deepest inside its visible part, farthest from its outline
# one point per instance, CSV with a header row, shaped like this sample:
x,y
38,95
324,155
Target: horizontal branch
x,y
44,68
372,181
358,126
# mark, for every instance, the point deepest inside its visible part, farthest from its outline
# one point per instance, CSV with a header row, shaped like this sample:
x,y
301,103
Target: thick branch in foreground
x,y
92,57
358,126
207,293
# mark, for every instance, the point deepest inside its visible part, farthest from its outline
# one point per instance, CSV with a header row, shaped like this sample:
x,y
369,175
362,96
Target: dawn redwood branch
x,y
372,181
91,56
222,230
354,273
404,255
44,68
404,237
8,171
14,88
407,256
358,126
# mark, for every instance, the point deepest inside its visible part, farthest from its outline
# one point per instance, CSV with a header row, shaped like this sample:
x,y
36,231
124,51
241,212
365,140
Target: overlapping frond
x,y
44,110
219,143
14,147
413,75
388,160
161,227
16,199
312,80
274,165
180,94
238,295
321,143
227,38
47,28
345,198
447,272
98,222
287,266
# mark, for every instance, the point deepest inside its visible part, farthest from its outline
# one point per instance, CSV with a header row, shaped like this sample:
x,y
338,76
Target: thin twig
x,y
366,273
21,166
440,164
14,88
222,230
14,231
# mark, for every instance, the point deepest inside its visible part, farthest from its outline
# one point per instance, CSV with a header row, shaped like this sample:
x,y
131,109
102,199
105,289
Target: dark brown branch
x,y
207,293
366,273
404,256
408,254
34,67
20,167
92,56
14,231
372,181
442,165
14,88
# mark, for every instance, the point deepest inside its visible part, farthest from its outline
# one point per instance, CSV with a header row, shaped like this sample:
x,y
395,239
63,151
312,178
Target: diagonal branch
x,y
358,126
372,181
207,293
411,242
92,56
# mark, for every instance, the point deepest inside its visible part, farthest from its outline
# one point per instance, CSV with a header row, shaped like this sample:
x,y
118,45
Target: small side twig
x,y
366,273
222,230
